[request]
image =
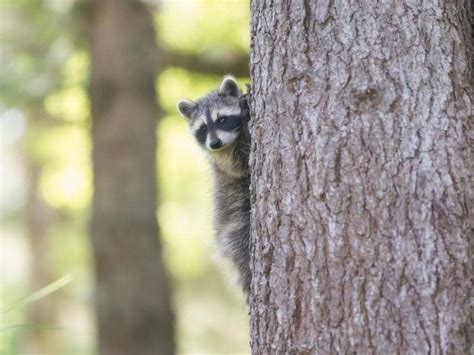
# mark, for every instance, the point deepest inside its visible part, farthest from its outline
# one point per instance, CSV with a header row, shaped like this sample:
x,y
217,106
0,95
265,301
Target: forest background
x,y
47,275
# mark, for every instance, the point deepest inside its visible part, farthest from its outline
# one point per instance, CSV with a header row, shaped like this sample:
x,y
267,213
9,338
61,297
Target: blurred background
x,y
47,274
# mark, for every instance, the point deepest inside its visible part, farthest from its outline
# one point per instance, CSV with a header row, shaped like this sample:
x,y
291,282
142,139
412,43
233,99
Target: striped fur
x,y
229,164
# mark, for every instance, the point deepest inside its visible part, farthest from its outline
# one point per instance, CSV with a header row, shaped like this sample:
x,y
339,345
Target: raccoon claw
x,y
244,106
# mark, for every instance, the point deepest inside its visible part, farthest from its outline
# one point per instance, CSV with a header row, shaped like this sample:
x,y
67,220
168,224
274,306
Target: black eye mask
x,y
228,123
201,135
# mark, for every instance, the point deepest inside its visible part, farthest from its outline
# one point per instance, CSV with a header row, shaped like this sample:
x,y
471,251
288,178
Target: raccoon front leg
x,y
235,245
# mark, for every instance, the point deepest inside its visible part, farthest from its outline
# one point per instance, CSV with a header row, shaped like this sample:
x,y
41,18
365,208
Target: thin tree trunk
x,y
37,221
132,300
361,177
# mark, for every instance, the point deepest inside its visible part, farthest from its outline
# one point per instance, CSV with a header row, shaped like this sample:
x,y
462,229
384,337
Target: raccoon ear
x,y
229,87
186,107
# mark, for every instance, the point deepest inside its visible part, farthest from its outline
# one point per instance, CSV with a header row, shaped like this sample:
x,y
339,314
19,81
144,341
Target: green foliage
x,y
66,179
206,26
31,54
184,212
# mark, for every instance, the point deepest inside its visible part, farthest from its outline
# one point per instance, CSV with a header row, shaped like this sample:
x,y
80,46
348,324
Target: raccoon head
x,y
215,119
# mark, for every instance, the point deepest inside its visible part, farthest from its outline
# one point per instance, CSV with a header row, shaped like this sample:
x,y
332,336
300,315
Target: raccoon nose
x,y
215,143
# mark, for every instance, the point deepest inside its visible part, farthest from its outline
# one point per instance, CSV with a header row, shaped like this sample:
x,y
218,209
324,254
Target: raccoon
x,y
219,122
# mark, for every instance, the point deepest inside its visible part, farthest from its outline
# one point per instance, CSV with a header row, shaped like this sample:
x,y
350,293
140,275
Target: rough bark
x,y
132,292
361,177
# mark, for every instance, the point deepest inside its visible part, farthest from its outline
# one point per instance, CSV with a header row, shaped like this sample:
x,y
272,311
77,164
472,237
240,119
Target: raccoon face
x,y
215,119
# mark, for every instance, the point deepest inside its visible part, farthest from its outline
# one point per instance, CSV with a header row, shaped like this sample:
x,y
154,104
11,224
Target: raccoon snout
x,y
216,143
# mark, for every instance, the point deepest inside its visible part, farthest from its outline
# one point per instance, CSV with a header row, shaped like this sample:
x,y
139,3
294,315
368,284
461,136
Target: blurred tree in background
x,y
45,174
132,289
46,184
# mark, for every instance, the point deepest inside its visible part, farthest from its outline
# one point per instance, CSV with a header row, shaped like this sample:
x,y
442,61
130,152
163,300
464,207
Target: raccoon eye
x,y
203,129
222,120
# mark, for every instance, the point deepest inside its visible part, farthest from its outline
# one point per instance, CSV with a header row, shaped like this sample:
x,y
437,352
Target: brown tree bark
x,y
132,299
362,177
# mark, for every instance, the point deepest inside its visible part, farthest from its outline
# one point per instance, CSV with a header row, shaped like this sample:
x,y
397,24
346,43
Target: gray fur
x,y
231,177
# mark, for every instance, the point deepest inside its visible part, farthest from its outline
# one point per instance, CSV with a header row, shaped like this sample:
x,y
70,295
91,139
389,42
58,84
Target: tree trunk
x,y
132,300
361,178
37,220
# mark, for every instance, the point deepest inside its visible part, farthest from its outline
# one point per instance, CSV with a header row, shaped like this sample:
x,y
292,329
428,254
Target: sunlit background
x,y
46,178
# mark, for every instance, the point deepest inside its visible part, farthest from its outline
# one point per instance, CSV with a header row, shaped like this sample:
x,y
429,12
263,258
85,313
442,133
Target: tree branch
x,y
234,63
